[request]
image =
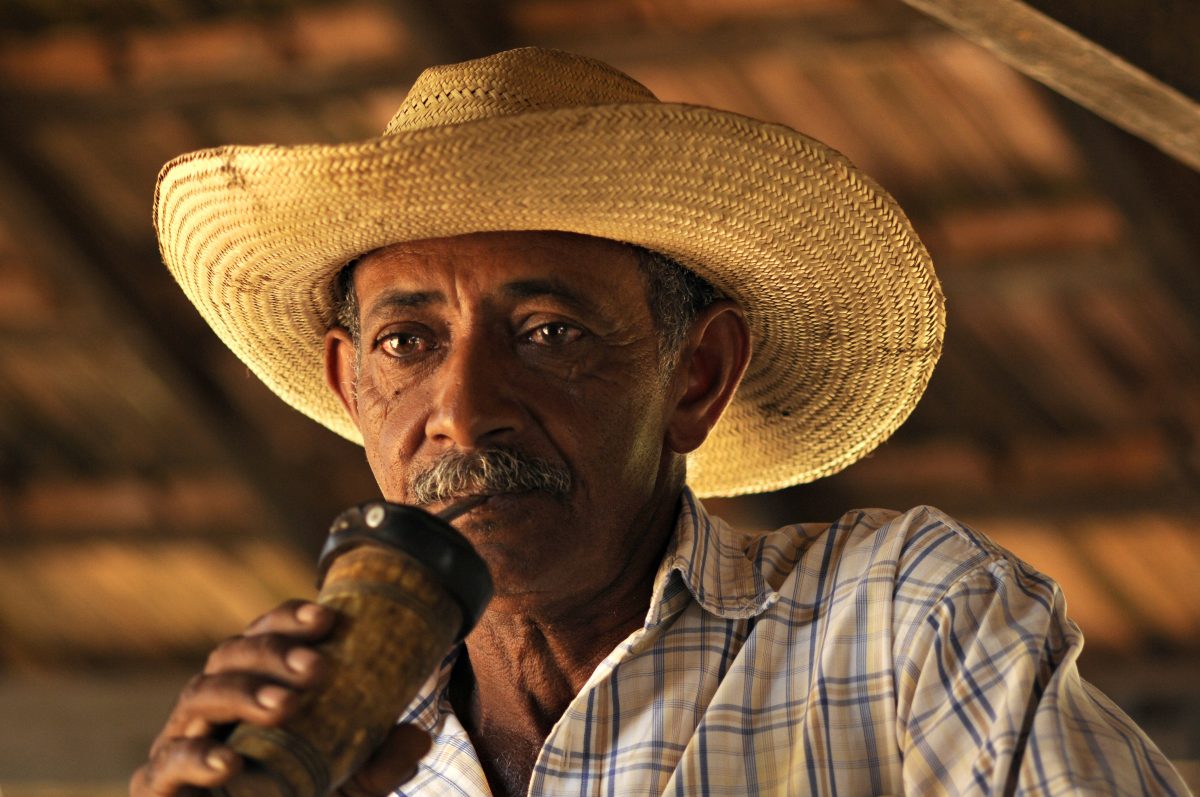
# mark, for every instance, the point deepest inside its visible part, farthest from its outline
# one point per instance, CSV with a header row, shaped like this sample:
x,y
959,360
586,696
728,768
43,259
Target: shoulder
x,y
911,559
935,552
923,541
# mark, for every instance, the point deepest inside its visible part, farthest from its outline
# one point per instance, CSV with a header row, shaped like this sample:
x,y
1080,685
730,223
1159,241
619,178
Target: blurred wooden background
x,y
154,496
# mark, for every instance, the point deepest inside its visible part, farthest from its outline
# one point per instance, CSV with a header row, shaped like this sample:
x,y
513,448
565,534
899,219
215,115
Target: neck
x,y
530,655
533,664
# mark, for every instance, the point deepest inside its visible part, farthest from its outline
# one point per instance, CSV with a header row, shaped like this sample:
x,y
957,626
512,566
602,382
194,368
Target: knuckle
x,y
260,651
267,653
138,785
207,689
264,620
222,653
178,759
194,686
155,775
281,614
270,645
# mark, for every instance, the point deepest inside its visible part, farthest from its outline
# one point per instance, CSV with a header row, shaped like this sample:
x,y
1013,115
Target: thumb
x,y
394,763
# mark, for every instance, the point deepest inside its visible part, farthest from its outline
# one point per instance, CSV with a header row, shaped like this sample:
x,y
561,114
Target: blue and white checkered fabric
x,y
885,654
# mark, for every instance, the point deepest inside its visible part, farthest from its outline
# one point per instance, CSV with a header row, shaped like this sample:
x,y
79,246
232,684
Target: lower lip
x,y
461,507
497,502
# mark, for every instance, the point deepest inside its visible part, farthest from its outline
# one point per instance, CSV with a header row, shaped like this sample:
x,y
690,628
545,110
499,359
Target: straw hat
x,y
844,308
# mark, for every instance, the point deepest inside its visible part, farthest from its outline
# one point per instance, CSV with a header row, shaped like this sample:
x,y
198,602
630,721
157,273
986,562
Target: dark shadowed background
x,y
154,496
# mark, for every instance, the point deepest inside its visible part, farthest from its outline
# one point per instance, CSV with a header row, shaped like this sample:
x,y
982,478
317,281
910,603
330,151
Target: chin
x,y
516,580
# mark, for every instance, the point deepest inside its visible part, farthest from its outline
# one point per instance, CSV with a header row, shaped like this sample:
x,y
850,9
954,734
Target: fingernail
x,y
218,760
271,696
196,728
309,613
302,659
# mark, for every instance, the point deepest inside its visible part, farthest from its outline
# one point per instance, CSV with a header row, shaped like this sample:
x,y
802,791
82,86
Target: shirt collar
x,y
710,559
706,560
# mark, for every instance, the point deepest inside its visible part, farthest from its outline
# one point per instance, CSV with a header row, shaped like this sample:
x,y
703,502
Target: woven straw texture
x,y
846,314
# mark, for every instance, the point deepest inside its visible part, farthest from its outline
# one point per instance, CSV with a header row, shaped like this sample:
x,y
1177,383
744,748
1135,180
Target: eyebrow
x,y
534,288
399,300
519,289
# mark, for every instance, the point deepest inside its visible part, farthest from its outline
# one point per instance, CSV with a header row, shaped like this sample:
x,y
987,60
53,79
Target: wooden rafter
x,y
1078,68
60,243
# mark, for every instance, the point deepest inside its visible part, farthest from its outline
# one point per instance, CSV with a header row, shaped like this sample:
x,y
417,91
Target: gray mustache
x,y
491,471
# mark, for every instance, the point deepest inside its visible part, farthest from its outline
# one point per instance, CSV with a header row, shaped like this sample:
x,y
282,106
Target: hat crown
x,y
512,82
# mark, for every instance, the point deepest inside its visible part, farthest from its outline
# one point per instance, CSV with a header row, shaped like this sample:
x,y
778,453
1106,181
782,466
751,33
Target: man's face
x,y
542,343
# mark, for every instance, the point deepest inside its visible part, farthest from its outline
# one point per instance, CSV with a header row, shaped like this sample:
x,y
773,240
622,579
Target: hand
x,y
394,763
257,677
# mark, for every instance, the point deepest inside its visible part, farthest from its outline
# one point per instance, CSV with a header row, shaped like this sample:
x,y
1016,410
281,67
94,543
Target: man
x,y
514,322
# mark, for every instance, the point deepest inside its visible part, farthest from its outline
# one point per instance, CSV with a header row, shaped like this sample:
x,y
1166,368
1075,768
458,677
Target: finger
x,y
298,618
269,654
220,698
394,763
181,764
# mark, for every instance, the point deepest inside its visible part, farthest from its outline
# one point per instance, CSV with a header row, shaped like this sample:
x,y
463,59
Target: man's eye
x,y
554,334
405,344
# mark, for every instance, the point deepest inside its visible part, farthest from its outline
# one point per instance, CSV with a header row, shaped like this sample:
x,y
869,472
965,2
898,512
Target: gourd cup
x,y
406,586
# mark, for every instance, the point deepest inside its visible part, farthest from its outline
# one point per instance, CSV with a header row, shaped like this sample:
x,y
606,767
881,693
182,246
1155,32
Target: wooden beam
x,y
1159,37
236,60
1003,231
56,77
449,32
1077,67
1125,470
808,39
71,253
1156,197
62,508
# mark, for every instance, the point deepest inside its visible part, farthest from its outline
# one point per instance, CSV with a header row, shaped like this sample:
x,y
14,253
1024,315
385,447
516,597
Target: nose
x,y
474,403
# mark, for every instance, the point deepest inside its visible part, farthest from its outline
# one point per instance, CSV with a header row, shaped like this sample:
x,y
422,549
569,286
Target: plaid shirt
x,y
885,654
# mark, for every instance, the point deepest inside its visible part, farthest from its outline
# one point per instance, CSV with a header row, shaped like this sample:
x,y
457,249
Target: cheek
x,y
387,420
372,403
626,428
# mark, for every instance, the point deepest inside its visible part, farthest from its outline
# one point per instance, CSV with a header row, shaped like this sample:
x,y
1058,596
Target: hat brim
x,y
846,314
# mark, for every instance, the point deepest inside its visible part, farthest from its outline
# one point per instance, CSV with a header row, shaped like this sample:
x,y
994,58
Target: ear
x,y
340,356
711,366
